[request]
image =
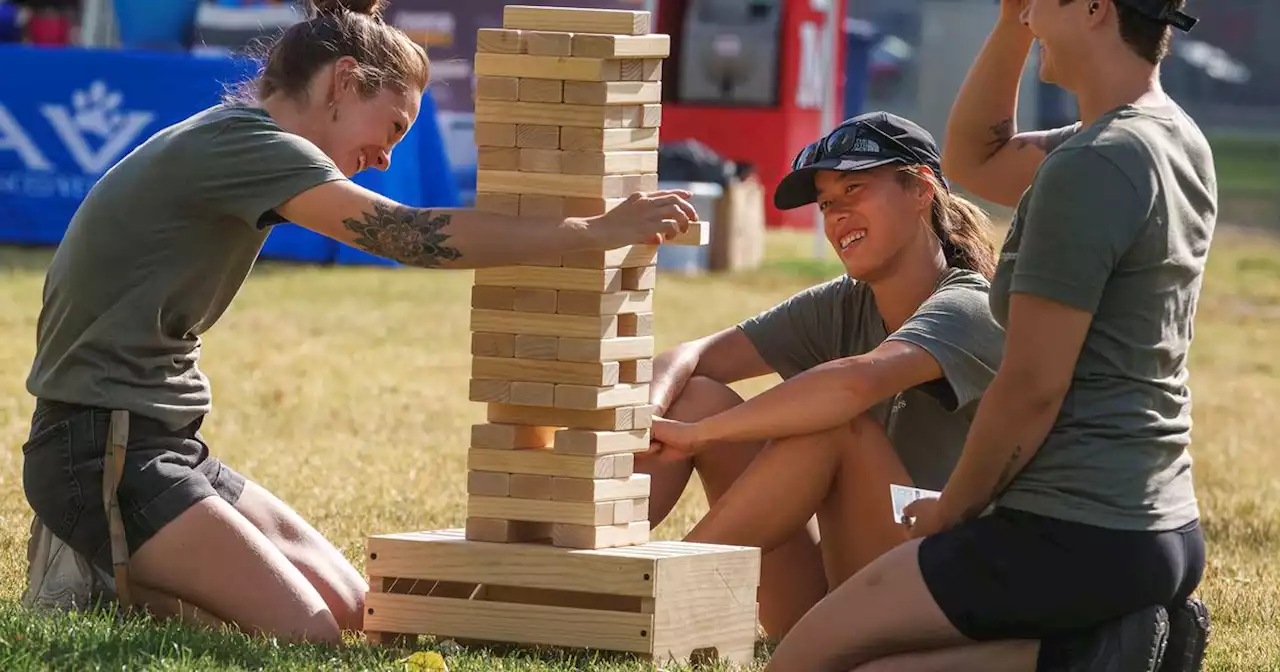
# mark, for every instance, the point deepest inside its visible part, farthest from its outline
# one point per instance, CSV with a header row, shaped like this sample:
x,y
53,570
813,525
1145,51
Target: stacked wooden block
x,y
568,110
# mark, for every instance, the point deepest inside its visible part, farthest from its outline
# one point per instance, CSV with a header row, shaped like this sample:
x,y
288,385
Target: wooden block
x,y
497,158
563,114
497,88
622,46
600,537
531,300
548,43
494,345
624,464
522,393
544,511
600,489
622,257
661,600
640,277
538,347
541,161
636,371
510,437
541,277
551,184
623,510
576,20
489,483
537,136
537,205
611,93
495,135
651,116
603,303
609,163
546,463
611,419
507,531
501,204
606,350
530,486
499,41
589,207
632,324
699,233
531,90
552,67
595,442
641,70
544,371
604,139
542,324
493,298
589,397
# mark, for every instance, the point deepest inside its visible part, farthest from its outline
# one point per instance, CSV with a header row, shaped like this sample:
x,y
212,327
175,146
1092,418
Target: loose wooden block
x,y
495,135
501,204
622,46
595,442
605,350
507,531
541,161
497,158
663,600
548,43
523,393
612,93
563,114
543,324
622,257
497,88
698,233
641,70
542,277
544,371
493,345
531,486
489,483
510,437
589,207
603,303
538,91
537,347
636,371
552,67
634,324
605,139
609,163
547,463
640,277
611,419
537,136
551,184
576,20
499,41
537,205
591,397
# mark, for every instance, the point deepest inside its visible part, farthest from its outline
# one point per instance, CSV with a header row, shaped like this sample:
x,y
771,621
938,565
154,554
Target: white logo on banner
x,y
811,89
95,130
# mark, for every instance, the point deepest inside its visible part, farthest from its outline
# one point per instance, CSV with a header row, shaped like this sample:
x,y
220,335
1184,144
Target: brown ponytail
x,y
963,228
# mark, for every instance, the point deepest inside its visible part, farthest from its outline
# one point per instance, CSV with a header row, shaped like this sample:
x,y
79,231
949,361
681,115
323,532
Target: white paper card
x,y
903,495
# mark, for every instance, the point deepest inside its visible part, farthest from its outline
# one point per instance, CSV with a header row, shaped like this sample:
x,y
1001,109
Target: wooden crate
x,y
662,600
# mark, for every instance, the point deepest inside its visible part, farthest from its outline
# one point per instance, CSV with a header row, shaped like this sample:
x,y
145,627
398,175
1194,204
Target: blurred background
x,y
748,83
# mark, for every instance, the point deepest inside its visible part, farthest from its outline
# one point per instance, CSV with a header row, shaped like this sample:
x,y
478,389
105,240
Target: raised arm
x,y
459,238
983,151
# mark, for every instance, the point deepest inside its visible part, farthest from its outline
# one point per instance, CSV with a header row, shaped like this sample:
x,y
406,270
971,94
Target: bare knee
x,y
702,397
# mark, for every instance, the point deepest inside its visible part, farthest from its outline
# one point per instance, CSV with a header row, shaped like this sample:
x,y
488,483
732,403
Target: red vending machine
x,y
755,80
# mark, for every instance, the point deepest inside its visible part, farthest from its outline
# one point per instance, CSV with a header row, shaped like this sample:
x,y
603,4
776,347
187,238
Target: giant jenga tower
x,y
556,549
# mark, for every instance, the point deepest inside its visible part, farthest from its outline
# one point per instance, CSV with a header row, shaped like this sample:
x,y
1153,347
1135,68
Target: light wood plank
x,y
621,257
600,303
501,204
544,371
499,436
499,41
609,163
612,93
551,184
605,139
531,90
612,419
596,442
634,324
495,135
494,345
545,463
636,486
497,88
622,46
551,67
537,136
563,114
576,20
541,324
593,397
620,350
543,277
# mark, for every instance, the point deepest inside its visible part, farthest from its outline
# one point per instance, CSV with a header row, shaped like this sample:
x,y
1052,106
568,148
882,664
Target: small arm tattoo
x,y
1002,133
1006,474
411,236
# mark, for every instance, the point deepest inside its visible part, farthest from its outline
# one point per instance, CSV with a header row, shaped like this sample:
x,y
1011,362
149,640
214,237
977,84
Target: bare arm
x,y
725,357
458,238
983,150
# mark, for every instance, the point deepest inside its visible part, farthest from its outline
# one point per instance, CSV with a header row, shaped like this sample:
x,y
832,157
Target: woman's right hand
x,y
644,218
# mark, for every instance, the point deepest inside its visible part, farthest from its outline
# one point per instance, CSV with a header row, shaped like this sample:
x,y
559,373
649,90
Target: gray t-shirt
x,y
838,319
154,256
1117,223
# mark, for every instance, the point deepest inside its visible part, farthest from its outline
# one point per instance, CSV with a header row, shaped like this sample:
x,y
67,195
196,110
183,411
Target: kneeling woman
x,y
882,365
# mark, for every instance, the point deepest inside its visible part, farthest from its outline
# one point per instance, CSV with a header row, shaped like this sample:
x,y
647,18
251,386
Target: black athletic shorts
x,y
1018,575
165,473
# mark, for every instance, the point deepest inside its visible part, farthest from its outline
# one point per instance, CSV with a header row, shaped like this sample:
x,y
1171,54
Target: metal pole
x,y
834,29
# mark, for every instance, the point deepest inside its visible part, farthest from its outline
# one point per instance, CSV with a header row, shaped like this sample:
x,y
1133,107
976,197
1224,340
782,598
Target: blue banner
x,y
67,115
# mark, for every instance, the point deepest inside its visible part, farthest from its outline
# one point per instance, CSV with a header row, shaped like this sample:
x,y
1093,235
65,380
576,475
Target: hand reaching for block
x,y
644,218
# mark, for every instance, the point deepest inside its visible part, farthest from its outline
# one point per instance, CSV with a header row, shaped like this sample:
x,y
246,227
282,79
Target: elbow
x,y
1035,393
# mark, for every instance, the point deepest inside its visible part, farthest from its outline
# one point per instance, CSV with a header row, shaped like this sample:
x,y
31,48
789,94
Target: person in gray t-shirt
x,y
1068,537
882,368
154,256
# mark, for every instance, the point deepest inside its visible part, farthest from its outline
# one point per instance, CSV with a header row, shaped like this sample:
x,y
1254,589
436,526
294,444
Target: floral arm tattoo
x,y
411,236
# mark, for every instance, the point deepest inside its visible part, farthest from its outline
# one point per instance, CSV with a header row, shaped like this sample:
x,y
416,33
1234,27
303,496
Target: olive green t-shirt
x,y
927,425
155,254
1118,223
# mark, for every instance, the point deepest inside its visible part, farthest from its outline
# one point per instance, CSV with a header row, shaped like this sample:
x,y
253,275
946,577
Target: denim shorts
x,y
165,473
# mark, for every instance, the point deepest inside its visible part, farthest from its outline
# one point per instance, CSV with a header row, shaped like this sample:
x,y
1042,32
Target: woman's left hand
x,y
930,518
675,435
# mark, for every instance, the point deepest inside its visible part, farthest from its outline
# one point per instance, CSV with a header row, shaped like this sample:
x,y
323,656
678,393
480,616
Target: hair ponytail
x,y
963,228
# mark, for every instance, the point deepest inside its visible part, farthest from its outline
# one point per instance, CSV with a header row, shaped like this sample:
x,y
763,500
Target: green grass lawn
x,y
344,391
